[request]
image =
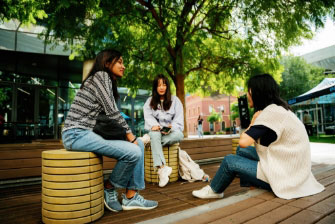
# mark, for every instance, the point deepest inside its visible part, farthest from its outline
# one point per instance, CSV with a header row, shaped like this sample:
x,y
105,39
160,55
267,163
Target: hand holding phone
x,y
165,130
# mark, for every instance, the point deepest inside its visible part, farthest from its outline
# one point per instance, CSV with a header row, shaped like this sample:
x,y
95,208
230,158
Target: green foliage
x,y
203,46
214,117
27,11
298,77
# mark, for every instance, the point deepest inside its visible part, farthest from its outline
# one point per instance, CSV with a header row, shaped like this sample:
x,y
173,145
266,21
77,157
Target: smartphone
x,y
165,129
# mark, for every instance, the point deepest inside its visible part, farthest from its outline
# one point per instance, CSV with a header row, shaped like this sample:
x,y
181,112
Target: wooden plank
x,y
19,173
109,165
204,142
23,154
20,163
208,155
192,151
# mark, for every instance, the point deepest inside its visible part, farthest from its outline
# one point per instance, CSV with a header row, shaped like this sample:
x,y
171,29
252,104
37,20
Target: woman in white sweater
x,y
281,158
164,119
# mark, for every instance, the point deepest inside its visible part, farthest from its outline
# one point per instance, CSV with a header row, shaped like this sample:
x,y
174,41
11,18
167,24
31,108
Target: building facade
x,y
196,106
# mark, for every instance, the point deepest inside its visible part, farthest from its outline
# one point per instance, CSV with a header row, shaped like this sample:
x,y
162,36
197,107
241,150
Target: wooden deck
x,y
23,204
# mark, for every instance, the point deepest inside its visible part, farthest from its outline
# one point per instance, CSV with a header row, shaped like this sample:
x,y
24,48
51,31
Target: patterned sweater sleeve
x,y
104,95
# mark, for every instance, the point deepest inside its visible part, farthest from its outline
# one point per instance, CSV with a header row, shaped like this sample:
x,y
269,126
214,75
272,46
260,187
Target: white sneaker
x,y
164,174
145,139
206,192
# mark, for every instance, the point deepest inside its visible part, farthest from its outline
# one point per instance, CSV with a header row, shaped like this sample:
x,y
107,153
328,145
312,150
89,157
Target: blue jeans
x,y
244,164
200,134
128,171
157,141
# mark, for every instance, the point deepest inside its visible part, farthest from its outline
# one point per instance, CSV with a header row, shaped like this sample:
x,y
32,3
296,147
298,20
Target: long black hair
x,y
156,98
100,64
265,91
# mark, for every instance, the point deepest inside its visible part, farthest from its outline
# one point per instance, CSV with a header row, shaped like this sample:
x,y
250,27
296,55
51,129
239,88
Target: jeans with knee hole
x,y
243,164
129,169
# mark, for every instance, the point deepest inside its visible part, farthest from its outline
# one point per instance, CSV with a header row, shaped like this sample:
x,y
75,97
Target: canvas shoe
x,y
206,192
137,202
111,200
164,174
145,139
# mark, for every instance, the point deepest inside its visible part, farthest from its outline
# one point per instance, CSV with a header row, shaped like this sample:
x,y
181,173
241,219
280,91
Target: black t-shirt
x,y
265,134
200,121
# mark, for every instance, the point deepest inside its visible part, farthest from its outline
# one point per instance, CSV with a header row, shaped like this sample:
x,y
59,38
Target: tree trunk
x,y
180,88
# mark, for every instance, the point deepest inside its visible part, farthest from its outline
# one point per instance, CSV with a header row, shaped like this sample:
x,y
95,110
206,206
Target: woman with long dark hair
x,y
164,118
98,93
281,158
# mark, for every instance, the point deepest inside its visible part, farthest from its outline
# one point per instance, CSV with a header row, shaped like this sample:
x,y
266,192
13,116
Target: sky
x,y
324,37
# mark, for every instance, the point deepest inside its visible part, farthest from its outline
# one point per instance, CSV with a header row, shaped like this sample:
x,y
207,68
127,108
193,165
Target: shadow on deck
x,y
177,205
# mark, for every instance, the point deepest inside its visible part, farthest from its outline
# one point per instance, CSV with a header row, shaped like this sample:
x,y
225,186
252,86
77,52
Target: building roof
x,y
323,93
324,58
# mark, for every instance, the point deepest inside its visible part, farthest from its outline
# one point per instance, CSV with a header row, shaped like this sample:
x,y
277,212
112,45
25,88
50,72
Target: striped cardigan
x,y
94,97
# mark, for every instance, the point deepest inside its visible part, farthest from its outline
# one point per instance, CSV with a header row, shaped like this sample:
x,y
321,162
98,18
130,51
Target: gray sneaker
x,y
111,200
137,202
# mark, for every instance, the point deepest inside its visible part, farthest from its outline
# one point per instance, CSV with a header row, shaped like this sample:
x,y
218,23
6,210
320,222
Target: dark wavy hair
x,y
155,100
102,58
265,91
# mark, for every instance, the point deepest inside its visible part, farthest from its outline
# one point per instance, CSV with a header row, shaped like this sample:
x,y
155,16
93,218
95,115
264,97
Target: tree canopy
x,y
204,46
298,77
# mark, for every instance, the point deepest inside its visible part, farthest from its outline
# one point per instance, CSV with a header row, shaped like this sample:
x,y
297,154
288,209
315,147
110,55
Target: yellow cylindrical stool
x,y
235,144
171,158
72,187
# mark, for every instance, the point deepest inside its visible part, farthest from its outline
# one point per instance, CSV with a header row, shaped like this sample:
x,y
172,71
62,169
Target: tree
x,y
209,45
214,117
298,77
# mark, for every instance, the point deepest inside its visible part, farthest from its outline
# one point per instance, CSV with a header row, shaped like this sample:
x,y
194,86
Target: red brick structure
x,y
196,105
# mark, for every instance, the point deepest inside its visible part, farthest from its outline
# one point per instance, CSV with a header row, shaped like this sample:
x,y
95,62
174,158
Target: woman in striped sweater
x,y
98,93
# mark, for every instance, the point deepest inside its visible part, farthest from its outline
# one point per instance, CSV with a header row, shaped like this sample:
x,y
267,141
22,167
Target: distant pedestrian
x,y
281,158
307,120
200,131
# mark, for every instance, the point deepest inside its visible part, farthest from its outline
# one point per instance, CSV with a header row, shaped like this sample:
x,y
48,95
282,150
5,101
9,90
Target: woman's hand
x,y
130,137
156,128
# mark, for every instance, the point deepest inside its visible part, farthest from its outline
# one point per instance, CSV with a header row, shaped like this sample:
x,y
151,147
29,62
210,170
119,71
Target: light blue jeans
x,y
128,171
243,164
158,140
200,133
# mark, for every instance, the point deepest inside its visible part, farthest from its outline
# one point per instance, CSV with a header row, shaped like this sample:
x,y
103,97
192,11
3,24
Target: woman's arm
x,y
150,121
103,87
246,140
178,120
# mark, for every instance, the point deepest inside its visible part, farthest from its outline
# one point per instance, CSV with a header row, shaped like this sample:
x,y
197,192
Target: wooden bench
x,y
24,160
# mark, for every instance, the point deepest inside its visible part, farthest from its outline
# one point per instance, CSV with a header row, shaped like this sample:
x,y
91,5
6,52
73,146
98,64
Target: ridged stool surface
x,y
171,158
72,187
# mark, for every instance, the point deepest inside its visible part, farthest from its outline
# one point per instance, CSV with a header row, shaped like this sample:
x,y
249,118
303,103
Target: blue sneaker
x,y
111,200
137,202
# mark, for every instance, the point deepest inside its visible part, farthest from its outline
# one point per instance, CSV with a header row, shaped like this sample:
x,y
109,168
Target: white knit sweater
x,y
286,163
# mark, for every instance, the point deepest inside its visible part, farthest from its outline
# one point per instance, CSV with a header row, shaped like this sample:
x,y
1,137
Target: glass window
x,y
47,99
6,109
139,116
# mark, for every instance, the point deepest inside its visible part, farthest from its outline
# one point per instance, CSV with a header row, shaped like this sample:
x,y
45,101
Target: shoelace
x,y
112,195
140,199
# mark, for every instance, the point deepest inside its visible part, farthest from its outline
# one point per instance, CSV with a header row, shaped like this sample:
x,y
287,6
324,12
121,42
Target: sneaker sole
x,y
211,197
137,207
109,208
